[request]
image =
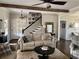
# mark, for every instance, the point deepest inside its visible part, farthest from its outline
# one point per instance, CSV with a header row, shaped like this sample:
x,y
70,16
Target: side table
x,y
13,44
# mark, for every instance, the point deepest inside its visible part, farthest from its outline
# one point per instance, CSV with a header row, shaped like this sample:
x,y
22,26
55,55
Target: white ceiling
x,y
69,5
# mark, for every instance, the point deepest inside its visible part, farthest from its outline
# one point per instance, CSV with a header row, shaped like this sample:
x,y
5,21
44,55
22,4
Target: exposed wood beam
x,y
31,8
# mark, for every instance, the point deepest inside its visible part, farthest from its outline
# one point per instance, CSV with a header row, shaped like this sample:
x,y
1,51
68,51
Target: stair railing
x,y
31,24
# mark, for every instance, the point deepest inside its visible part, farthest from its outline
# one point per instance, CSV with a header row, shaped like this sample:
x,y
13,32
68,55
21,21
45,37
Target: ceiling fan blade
x,y
59,2
38,4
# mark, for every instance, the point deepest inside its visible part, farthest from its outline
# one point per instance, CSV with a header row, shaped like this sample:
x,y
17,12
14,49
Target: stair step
x,y
33,32
39,26
36,29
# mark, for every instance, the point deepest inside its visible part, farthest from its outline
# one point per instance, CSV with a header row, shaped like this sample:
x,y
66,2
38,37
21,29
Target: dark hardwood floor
x,y
63,46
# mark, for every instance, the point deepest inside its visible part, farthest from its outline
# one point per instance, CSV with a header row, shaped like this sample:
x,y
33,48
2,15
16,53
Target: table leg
x,y
43,57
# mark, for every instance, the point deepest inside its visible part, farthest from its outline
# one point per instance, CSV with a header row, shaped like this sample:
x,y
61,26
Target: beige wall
x,y
50,17
17,24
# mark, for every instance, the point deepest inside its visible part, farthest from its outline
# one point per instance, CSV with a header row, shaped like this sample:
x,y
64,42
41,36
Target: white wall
x,y
46,17
70,19
4,15
17,24
50,17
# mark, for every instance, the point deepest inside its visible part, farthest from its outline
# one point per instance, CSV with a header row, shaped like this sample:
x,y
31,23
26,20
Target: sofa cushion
x,y
37,37
28,44
46,36
37,43
29,37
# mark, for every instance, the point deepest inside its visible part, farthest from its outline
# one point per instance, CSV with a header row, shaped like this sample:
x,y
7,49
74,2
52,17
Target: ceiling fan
x,y
51,2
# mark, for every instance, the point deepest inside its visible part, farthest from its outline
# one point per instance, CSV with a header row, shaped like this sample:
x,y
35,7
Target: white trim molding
x,y
75,9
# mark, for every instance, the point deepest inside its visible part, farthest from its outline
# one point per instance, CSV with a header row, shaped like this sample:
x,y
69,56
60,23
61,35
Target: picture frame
x,y
49,27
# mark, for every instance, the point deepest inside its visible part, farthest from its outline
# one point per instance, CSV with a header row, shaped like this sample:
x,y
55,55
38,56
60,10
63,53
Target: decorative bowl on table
x,y
44,47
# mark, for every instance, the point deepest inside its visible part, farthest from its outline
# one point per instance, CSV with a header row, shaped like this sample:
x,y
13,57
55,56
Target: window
x,y
76,25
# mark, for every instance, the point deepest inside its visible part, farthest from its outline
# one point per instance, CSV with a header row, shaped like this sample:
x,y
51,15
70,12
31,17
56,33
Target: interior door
x,y
63,29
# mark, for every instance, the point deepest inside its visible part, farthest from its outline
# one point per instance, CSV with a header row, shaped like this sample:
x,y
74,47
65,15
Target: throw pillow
x,y
75,47
25,39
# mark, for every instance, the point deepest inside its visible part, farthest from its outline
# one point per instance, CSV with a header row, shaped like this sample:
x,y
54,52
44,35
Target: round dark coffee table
x,y
44,52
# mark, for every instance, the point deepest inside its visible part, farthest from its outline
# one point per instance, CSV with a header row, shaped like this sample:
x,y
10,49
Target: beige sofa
x,y
37,40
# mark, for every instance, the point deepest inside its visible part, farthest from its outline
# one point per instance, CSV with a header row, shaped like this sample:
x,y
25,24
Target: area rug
x,y
12,55
33,55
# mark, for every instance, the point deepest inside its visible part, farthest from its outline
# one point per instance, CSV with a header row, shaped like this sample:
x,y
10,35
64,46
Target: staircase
x,y
35,25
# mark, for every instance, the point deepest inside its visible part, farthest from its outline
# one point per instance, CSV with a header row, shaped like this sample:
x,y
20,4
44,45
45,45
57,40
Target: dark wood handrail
x,y
30,24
